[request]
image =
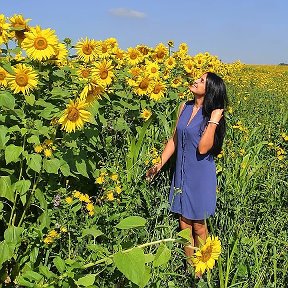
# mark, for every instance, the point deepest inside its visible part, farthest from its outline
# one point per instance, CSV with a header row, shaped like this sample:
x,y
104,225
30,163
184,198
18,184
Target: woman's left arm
x,y
207,140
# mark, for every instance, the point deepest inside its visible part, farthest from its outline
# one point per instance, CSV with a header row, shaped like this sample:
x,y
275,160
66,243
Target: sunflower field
x,y
80,125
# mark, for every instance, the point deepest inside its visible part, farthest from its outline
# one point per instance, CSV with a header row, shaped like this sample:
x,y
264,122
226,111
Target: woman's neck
x,y
198,102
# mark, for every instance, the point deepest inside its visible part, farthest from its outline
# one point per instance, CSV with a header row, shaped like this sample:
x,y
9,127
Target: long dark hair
x,y
215,98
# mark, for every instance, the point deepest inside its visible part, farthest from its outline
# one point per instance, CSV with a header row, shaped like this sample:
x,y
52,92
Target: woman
x,y
198,136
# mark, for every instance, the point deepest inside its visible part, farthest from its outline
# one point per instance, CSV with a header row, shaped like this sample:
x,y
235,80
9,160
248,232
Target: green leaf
x,y
6,189
30,99
52,165
7,100
91,231
81,167
13,234
131,222
22,186
64,168
34,162
32,276
34,139
132,265
40,197
6,251
162,256
12,153
87,280
46,272
3,138
59,263
186,234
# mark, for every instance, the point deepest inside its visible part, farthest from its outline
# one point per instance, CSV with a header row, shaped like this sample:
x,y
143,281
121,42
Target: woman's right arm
x,y
168,150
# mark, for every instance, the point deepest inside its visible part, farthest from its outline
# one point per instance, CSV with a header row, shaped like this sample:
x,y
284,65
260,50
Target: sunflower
x,y
143,85
152,69
105,49
23,80
144,50
61,54
112,42
133,56
146,114
40,44
160,53
4,30
84,73
87,49
170,63
3,77
176,82
183,48
74,116
158,91
20,26
204,259
91,92
102,73
188,65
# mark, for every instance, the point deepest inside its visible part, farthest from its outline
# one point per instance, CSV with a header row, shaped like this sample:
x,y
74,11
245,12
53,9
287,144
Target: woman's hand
x,y
150,174
216,115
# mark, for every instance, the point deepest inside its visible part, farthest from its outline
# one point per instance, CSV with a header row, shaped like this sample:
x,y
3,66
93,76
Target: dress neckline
x,y
190,120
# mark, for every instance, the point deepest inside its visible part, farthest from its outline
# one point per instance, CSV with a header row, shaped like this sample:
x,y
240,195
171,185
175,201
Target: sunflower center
x,y
87,49
157,89
206,255
85,73
21,79
2,75
160,54
40,43
170,62
153,70
73,114
103,74
104,49
133,55
144,84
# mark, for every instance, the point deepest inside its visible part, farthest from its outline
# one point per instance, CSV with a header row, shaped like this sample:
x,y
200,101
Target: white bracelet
x,y
217,123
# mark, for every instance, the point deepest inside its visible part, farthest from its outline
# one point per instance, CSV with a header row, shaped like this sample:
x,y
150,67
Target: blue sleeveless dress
x,y
193,187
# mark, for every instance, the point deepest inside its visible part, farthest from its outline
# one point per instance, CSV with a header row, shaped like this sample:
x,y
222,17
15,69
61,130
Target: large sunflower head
x,y
3,77
4,30
160,53
20,26
74,116
189,65
87,49
152,69
102,73
105,49
133,56
170,62
84,73
143,85
204,259
158,90
23,79
40,44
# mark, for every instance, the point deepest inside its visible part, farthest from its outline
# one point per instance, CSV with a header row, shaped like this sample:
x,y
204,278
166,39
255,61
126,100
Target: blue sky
x,y
252,31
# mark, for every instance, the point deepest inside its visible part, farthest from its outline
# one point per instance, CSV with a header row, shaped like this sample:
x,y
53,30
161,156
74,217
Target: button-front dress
x,y
193,187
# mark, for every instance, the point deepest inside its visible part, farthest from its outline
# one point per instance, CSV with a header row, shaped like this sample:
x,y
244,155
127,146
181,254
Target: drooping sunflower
x,y
87,49
40,44
158,91
160,53
3,77
20,26
74,116
143,85
102,73
4,30
23,79
204,259
133,56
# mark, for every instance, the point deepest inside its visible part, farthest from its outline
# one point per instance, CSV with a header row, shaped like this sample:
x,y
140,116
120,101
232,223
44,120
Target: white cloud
x,y
124,12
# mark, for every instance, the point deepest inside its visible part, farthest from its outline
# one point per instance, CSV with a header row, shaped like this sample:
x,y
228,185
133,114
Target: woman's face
x,y
198,87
